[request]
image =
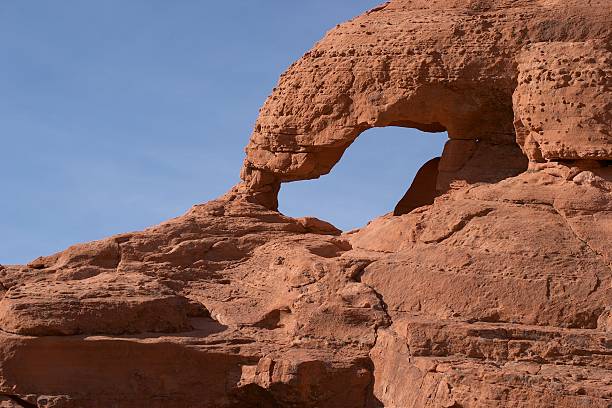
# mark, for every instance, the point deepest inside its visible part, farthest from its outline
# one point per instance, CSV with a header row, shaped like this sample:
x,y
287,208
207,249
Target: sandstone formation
x,y
494,291
422,191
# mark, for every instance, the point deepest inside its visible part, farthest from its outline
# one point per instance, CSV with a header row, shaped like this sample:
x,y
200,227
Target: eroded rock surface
x,y
563,100
495,291
443,65
422,191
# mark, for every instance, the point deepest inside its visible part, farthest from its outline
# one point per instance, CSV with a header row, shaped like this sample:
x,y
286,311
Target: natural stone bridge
x,y
497,75
495,294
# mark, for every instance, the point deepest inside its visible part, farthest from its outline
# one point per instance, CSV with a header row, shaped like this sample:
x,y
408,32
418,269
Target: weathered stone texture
x,y
490,287
435,66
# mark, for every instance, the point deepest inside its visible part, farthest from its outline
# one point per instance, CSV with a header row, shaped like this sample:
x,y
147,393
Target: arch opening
x,y
382,171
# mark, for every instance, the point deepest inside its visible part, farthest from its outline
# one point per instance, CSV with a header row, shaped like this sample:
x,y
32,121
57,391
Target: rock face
x,y
494,291
563,101
444,65
422,191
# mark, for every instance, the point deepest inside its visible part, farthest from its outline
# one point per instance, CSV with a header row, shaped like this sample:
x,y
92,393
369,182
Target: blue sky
x,y
116,115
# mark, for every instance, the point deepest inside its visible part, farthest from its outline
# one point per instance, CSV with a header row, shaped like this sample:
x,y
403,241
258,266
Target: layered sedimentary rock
x,y
491,286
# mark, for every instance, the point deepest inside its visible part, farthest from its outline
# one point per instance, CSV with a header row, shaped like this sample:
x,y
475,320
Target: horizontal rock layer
x,y
490,286
494,295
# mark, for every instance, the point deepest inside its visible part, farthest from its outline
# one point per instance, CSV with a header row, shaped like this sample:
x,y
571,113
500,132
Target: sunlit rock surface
x,y
495,293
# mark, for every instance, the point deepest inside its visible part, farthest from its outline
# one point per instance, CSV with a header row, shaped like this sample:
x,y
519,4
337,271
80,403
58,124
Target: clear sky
x,y
116,115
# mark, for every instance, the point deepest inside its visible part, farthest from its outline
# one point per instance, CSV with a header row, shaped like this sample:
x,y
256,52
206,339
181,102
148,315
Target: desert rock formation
x,y
422,191
496,294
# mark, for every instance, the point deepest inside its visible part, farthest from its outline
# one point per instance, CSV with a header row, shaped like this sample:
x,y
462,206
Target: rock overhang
x,y
458,66
496,294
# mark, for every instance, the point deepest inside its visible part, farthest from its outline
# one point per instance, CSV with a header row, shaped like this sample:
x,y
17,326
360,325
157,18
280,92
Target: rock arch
x,y
398,66
387,169
496,295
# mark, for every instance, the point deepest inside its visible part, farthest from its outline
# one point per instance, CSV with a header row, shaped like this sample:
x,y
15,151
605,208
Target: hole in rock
x,y
372,178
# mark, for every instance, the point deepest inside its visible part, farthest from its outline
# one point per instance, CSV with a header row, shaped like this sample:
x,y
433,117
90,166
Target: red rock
x,y
422,191
317,226
495,293
562,108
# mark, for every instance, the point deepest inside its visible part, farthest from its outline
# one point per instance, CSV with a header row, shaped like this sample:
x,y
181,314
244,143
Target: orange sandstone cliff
x,y
490,287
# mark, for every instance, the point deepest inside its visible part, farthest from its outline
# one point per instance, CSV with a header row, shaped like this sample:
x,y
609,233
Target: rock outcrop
x,y
422,191
494,291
